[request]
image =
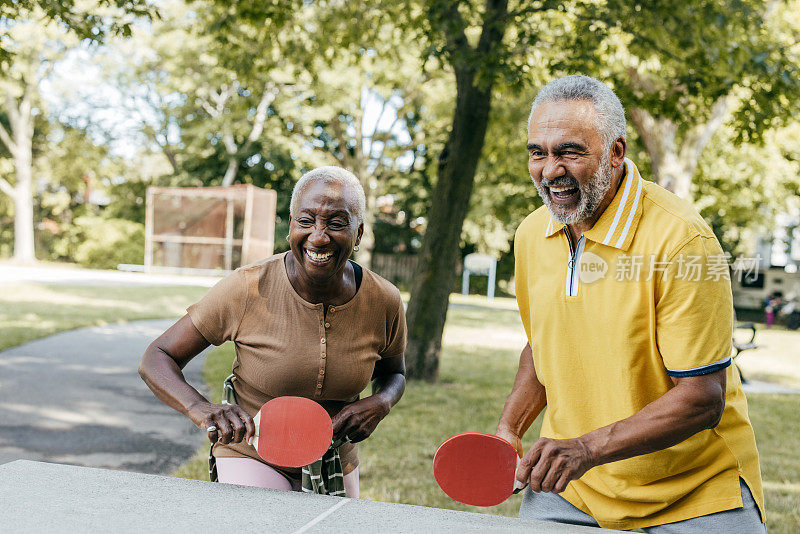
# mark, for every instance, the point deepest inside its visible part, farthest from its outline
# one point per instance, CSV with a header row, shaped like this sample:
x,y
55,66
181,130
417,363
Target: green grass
x,y
777,430
32,311
396,460
475,379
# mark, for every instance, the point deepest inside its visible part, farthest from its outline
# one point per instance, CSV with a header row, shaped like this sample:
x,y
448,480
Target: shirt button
x,y
322,340
332,309
327,325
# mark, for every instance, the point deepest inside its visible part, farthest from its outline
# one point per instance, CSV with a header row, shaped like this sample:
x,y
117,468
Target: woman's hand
x,y
355,422
230,423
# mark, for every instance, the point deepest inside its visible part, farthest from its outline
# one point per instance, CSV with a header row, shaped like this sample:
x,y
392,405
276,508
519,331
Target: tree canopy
x,y
425,101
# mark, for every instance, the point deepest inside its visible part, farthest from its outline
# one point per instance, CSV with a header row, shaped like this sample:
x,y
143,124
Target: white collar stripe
x,y
627,228
621,207
549,227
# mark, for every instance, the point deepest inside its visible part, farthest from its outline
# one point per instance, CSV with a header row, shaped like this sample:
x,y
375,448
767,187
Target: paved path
x,y
769,388
47,274
76,398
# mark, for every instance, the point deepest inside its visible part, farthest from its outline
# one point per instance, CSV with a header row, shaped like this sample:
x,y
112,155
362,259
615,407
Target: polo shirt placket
x,y
622,223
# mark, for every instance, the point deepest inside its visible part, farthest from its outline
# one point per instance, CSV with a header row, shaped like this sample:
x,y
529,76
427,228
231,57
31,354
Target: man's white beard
x,y
590,195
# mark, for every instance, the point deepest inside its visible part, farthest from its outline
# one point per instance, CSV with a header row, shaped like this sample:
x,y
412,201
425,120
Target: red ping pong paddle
x,y
292,431
476,468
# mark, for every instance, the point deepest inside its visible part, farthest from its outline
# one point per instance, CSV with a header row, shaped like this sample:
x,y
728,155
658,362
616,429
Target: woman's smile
x,y
319,258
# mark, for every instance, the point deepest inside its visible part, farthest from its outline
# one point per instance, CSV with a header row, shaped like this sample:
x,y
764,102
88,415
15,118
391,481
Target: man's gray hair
x,y
331,174
610,113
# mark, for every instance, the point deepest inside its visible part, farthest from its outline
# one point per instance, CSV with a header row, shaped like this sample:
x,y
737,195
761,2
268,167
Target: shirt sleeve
x,y
218,314
694,309
396,332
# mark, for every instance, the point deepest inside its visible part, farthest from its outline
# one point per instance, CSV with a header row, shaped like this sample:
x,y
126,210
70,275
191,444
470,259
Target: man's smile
x,y
564,195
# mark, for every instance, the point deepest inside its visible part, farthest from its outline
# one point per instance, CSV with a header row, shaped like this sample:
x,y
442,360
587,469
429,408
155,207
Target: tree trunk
x,y
674,163
435,271
256,130
434,275
172,159
20,143
23,206
230,172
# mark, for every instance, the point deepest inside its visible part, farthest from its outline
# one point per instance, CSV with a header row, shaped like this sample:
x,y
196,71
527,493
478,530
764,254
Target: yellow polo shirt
x,y
642,296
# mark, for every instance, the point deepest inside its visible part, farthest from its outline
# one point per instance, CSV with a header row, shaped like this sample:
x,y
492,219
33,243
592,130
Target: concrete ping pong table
x,y
43,497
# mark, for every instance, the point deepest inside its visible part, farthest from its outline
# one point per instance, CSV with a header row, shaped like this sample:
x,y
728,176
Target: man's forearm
x,y
691,406
527,398
694,404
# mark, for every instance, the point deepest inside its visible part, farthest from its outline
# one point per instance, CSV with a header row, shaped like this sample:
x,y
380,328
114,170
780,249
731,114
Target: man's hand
x,y
510,437
358,420
551,464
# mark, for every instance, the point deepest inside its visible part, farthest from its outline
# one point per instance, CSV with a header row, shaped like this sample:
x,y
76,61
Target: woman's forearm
x,y
389,387
164,377
161,365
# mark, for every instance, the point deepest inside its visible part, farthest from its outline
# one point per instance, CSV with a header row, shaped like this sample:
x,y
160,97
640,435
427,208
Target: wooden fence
x,y
397,268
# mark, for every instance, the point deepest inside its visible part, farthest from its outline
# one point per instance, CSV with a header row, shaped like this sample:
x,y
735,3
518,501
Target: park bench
x,y
739,347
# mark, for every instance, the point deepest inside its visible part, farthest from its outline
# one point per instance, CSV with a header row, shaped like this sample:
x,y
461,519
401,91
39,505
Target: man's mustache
x,y
561,181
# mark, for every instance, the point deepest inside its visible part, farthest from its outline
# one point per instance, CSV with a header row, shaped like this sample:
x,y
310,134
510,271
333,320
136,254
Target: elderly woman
x,y
308,322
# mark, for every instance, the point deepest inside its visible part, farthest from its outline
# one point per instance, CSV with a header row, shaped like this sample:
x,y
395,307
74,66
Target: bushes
x,y
100,243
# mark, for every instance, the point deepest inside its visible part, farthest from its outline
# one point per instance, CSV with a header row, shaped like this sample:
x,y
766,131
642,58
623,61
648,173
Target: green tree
x,y
673,60
36,45
87,20
233,88
208,118
35,38
683,69
358,106
484,46
504,193
370,115
741,189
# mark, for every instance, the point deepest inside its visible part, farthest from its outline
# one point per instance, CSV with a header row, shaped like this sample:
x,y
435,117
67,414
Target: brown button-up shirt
x,y
287,346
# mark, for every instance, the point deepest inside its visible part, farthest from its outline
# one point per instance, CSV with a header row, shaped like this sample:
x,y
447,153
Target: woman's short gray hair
x,y
331,174
610,113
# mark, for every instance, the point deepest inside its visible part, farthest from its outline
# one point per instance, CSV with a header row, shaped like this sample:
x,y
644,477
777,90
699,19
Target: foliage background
x,y
169,125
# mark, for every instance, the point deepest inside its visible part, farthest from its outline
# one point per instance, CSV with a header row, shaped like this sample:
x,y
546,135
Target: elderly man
x,y
624,293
